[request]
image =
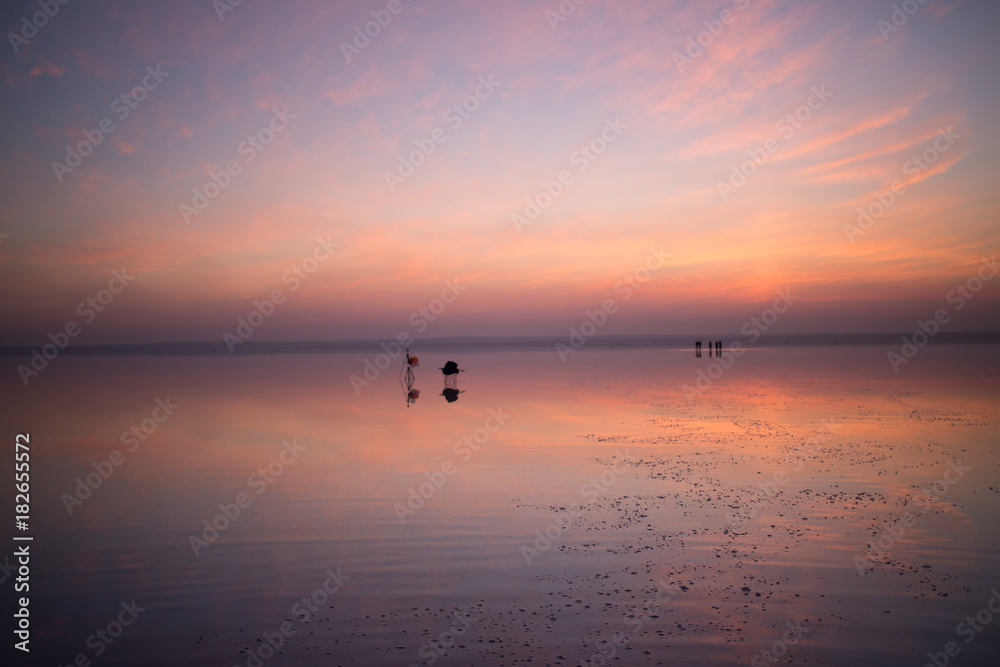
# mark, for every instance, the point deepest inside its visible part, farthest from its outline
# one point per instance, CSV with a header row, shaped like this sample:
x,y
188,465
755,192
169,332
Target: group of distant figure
x,y
716,344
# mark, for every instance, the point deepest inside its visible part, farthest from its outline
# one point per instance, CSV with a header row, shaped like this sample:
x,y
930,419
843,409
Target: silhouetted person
x,y
697,348
450,371
718,349
407,377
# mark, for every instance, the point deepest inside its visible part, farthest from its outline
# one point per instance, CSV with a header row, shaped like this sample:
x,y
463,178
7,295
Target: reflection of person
x,y
450,395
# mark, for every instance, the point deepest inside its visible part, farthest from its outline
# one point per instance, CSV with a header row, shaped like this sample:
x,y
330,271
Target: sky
x,y
508,167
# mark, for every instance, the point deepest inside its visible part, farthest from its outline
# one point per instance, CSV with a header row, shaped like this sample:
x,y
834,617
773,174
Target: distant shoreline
x,y
483,344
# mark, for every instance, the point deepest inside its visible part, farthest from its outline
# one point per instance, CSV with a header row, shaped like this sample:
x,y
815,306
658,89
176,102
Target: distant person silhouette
x,y
407,378
450,371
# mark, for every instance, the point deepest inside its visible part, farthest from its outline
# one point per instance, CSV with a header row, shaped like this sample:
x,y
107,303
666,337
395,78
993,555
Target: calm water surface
x,y
559,510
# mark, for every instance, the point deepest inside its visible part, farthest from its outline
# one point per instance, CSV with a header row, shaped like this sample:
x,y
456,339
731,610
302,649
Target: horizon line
x,y
612,341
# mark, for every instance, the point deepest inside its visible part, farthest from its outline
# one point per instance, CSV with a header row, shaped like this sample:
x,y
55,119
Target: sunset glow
x,y
741,138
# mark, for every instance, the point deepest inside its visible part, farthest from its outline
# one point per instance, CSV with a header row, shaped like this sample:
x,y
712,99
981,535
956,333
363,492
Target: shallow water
x,y
670,538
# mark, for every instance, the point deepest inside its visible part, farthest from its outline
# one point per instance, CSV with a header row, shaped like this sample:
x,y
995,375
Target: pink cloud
x,y
46,68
